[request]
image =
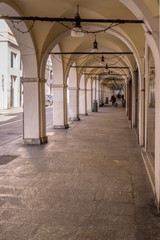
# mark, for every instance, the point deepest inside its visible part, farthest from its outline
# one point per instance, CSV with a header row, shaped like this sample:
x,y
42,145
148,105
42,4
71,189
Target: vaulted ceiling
x,y
124,37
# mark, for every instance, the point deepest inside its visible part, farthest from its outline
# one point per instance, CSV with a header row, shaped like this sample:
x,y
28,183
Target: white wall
x,y
8,44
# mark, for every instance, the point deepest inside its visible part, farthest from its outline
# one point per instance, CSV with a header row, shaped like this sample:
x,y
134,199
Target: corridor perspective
x,y
79,120
88,183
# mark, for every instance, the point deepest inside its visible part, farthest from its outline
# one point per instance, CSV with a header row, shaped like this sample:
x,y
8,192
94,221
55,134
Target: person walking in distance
x,y
113,100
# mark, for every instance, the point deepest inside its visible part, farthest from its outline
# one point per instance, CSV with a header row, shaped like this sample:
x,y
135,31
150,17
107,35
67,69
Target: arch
x,y
132,48
34,128
133,6
74,58
25,42
141,12
51,46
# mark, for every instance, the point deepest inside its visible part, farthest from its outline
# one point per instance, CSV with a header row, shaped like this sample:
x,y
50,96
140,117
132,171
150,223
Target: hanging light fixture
x,y
95,45
106,67
102,59
77,29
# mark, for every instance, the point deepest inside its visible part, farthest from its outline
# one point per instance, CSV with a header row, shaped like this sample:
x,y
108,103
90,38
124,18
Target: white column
x,y
89,100
86,111
82,101
97,83
104,94
93,91
101,94
156,56
73,95
60,106
126,96
157,136
133,100
4,72
73,104
34,111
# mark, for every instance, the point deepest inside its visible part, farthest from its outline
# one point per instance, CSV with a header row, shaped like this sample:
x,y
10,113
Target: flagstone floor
x,y
88,183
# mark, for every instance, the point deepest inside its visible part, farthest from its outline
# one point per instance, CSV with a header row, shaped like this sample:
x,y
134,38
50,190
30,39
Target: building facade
x,y
11,85
11,88
49,77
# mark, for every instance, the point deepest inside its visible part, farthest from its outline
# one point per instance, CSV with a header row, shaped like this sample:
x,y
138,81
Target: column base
x,y
89,110
84,114
61,126
74,119
102,104
36,141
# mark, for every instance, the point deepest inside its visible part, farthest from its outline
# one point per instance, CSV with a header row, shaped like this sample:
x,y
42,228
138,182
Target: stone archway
x,y
34,130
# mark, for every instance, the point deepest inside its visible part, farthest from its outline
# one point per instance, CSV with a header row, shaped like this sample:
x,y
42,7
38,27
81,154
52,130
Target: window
x,y
13,60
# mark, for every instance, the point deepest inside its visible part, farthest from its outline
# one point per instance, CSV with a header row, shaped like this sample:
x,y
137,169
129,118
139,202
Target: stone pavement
x,y
88,183
11,110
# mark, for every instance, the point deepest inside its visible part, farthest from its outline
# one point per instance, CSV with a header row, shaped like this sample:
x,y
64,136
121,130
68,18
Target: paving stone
x,y
88,183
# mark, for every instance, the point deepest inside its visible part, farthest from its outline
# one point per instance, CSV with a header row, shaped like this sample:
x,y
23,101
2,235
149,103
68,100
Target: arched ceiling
x,y
45,33
152,7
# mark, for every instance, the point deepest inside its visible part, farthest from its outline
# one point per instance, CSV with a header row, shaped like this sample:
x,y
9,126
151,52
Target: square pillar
x,y
82,101
73,104
89,100
101,93
97,83
60,106
34,130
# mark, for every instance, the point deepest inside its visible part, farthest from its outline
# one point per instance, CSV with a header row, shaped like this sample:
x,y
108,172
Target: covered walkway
x,y
89,182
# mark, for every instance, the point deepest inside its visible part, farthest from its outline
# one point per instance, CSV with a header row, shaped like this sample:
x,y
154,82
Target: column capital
x,y
73,88
60,86
29,80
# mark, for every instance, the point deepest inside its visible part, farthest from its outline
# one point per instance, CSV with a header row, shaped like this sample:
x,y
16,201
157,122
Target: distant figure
x,y
122,96
113,100
123,101
119,95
